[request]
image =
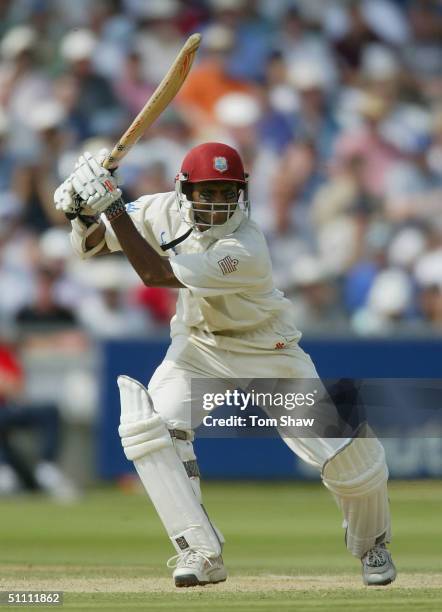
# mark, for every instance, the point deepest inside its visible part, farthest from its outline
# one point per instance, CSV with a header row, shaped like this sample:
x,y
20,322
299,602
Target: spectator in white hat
x,y
239,115
95,109
158,39
428,275
389,303
107,312
39,176
313,293
209,80
301,44
413,188
22,84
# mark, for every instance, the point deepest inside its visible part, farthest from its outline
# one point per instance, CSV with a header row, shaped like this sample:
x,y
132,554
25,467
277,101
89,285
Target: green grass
x,y
271,529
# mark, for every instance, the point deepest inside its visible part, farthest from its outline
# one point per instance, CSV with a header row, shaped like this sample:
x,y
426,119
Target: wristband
x,y
116,209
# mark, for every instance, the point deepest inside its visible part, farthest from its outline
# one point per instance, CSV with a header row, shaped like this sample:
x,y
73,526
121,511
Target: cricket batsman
x,y
231,322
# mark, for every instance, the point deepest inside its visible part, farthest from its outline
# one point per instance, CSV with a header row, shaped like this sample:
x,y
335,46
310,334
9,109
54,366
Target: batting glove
x,y
95,185
64,198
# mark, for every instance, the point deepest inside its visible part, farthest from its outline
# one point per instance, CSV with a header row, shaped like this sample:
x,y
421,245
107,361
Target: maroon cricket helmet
x,y
213,161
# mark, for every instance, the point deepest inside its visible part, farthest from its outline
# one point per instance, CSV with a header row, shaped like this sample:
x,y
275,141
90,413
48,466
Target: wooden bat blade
x,y
159,100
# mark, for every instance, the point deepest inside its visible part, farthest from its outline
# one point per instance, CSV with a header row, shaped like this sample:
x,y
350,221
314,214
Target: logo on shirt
x,y
131,207
228,265
220,164
279,345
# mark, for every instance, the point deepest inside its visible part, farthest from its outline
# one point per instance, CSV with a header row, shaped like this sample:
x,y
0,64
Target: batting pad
x,y
147,442
357,476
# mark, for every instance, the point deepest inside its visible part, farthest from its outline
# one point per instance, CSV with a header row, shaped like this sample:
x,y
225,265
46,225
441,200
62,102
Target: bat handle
x,y
110,163
78,205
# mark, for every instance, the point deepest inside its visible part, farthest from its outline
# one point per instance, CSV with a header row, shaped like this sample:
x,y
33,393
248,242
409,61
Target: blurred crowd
x,y
335,107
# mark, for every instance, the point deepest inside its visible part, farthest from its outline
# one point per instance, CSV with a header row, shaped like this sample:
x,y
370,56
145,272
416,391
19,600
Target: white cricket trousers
x,y
170,386
354,471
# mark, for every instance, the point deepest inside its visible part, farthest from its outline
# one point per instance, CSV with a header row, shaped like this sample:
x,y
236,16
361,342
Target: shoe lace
x,y
190,558
376,556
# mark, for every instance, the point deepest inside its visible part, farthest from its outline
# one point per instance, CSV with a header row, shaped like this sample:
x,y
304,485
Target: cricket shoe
x,y
377,566
193,568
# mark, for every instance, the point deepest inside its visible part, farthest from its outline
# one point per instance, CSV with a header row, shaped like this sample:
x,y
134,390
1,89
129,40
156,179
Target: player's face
x,y
216,193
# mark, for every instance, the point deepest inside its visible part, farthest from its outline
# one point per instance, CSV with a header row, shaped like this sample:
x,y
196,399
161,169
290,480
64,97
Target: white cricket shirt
x,y
229,300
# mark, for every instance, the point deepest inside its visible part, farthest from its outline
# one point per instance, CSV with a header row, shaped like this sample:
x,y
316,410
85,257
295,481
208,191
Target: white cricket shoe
x,y
377,566
193,568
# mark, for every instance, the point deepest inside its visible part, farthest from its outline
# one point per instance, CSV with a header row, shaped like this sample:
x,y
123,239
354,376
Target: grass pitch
x,y
284,551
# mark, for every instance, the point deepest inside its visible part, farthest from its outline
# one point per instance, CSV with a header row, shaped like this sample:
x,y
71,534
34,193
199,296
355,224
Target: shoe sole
x,y
190,580
385,582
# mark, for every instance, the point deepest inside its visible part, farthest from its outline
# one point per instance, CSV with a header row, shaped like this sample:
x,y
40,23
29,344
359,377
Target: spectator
x,y
40,175
302,167
18,248
131,87
413,188
254,37
94,109
42,420
240,116
367,142
339,169
158,39
300,43
210,80
388,306
350,44
23,84
423,54
315,296
428,274
108,313
45,313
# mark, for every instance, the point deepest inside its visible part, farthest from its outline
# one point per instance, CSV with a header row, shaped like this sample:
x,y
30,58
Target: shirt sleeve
x,y
140,212
222,269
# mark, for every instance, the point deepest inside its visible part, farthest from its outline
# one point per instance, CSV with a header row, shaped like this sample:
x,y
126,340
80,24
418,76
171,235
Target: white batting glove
x,y
94,184
64,197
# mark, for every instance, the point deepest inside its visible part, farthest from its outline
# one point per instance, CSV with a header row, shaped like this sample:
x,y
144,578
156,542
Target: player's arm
x,y
97,238
154,270
99,191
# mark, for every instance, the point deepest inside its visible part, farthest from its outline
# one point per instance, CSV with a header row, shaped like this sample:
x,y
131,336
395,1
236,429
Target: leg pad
x,y
357,476
147,442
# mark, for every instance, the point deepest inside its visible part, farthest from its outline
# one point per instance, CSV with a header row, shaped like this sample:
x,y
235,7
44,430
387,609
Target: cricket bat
x,y
159,100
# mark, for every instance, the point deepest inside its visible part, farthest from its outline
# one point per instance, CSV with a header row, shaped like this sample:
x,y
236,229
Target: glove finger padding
x,y
81,182
94,184
97,169
64,197
103,179
90,176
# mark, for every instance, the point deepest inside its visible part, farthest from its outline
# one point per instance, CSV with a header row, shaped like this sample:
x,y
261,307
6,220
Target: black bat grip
x,y
78,204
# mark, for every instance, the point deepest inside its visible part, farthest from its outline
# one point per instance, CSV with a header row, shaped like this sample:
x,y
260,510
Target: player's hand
x,y
95,185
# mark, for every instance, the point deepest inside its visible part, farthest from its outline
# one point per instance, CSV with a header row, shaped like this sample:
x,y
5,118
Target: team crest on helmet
x,y
220,164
